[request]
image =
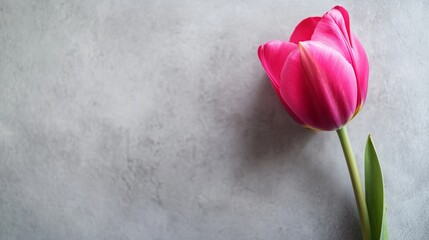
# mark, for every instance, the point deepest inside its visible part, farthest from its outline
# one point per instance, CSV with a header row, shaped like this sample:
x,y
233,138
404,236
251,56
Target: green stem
x,y
357,187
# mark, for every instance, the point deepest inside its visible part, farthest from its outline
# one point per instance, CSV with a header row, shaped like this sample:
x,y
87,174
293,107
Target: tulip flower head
x,y
321,74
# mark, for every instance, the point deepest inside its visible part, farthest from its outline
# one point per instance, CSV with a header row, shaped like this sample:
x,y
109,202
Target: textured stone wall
x,y
154,120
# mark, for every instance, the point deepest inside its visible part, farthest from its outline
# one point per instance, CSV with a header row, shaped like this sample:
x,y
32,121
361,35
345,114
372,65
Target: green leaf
x,y
374,193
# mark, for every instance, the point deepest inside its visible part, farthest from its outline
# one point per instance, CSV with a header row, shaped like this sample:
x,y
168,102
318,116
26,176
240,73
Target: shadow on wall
x,y
273,145
269,131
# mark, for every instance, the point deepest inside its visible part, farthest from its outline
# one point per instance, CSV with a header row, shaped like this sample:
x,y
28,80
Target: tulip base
x,y
356,182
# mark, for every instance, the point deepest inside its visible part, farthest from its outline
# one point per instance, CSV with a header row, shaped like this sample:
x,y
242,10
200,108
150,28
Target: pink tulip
x,y
321,74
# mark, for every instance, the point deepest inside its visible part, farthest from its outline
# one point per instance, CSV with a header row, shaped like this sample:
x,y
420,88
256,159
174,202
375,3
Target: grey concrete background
x,y
154,120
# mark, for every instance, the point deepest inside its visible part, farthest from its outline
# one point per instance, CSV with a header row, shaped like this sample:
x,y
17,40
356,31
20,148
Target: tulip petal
x,y
346,18
333,31
362,71
319,85
304,30
273,55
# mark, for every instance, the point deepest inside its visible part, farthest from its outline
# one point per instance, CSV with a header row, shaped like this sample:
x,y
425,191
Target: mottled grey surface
x,y
154,120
